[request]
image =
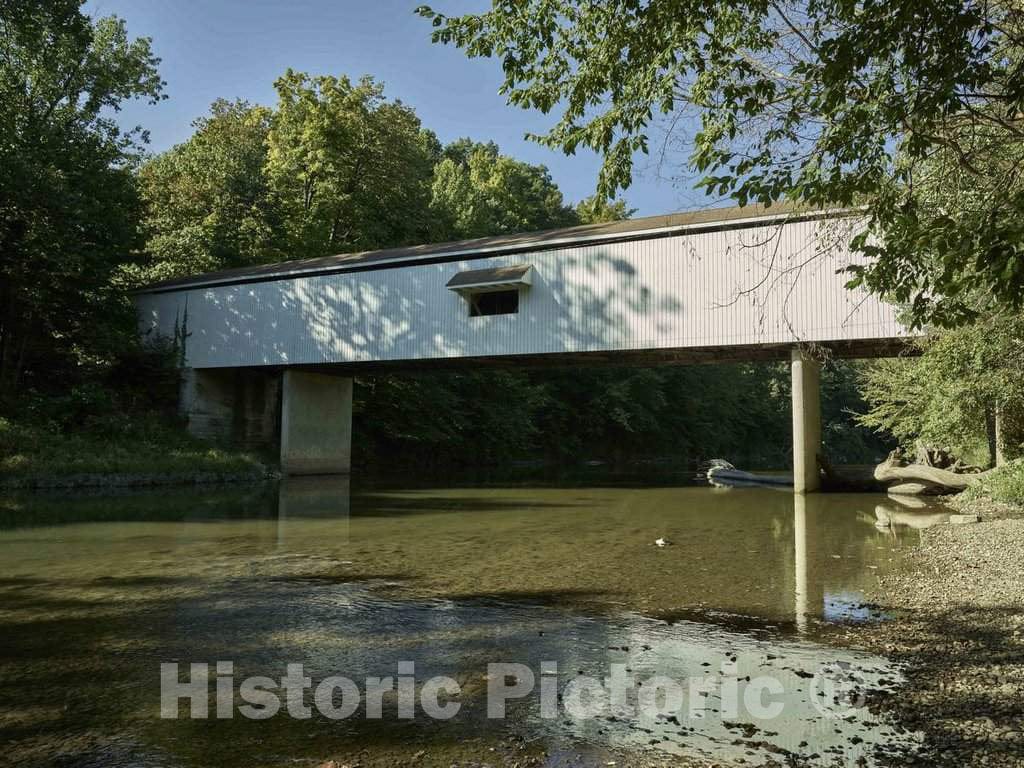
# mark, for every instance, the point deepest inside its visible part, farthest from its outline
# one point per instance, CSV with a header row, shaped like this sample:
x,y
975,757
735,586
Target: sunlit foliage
x,y
911,109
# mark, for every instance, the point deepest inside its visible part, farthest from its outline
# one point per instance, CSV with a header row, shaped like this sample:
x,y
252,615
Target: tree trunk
x,y
889,472
13,324
991,431
999,424
893,477
11,353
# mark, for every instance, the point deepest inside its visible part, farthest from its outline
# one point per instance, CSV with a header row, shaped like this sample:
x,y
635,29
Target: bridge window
x,y
492,291
494,303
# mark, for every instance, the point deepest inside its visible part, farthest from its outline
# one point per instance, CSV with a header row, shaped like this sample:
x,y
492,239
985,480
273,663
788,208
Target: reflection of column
x,y
810,563
323,498
800,560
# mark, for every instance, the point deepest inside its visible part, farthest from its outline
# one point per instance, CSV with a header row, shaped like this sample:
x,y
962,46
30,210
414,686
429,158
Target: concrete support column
x,y
806,422
316,424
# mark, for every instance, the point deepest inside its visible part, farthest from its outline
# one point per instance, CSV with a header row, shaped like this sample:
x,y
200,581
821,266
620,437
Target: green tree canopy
x,y
208,203
477,192
949,393
598,209
820,102
68,205
617,413
351,170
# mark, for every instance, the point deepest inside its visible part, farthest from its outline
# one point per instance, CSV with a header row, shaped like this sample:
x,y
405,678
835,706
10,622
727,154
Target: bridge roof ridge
x,y
663,225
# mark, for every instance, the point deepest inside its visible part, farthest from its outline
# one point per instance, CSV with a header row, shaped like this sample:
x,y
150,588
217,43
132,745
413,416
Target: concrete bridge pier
x,y
806,393
316,424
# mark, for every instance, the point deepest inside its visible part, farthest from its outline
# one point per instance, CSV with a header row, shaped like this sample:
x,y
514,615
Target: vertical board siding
x,y
781,283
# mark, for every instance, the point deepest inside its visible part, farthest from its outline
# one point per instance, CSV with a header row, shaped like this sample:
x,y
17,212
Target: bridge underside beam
x,y
316,424
806,393
863,349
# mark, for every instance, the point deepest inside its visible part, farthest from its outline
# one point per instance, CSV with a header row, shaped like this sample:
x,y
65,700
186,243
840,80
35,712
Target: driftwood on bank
x,y
899,477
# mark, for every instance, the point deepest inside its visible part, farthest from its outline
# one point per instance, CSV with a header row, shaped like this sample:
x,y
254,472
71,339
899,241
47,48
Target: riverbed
x,y
957,604
715,590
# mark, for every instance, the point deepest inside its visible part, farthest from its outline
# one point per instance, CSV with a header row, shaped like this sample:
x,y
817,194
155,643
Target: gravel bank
x,y
959,629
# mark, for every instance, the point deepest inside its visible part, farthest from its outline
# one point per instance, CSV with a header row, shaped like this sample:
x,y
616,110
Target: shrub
x,y
1005,484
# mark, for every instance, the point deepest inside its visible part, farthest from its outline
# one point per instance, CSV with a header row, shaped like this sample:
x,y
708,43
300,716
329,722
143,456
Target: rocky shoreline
x,y
958,628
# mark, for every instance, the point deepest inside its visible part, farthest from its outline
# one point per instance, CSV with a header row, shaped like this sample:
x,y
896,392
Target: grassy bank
x,y
1004,485
146,451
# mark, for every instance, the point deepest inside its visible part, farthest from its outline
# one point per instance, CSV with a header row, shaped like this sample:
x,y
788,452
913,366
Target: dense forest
x,y
87,213
626,416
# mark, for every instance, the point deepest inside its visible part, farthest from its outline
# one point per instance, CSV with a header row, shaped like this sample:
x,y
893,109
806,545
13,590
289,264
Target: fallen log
x,y
890,472
896,477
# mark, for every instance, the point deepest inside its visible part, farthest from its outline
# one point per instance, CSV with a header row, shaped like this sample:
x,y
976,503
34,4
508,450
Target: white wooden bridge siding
x,y
765,284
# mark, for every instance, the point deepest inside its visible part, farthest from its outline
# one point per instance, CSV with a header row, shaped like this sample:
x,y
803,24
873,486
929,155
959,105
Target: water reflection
x,y
97,591
801,599
318,498
910,511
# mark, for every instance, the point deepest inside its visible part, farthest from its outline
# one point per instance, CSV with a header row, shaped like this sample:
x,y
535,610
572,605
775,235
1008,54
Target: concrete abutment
x,y
236,405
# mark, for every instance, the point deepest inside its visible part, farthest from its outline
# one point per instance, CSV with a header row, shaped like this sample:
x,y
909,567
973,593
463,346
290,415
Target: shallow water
x,y
96,592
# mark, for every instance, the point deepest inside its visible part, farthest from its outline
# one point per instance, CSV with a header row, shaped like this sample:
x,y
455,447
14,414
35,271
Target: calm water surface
x,y
96,591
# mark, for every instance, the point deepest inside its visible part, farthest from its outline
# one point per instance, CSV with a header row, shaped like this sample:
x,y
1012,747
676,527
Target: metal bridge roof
x,y
629,229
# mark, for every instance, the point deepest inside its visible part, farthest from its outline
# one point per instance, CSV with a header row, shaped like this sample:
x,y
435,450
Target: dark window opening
x,y
494,303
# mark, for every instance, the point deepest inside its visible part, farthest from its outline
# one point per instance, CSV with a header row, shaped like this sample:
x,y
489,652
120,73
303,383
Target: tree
x,y
478,192
208,203
598,209
950,393
68,205
352,171
824,103
951,235
465,418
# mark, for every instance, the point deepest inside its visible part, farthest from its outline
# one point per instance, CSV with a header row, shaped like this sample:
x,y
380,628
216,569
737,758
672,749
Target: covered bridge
x,y
270,351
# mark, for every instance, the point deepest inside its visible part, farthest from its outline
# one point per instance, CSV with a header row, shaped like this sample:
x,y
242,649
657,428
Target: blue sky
x,y
236,48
